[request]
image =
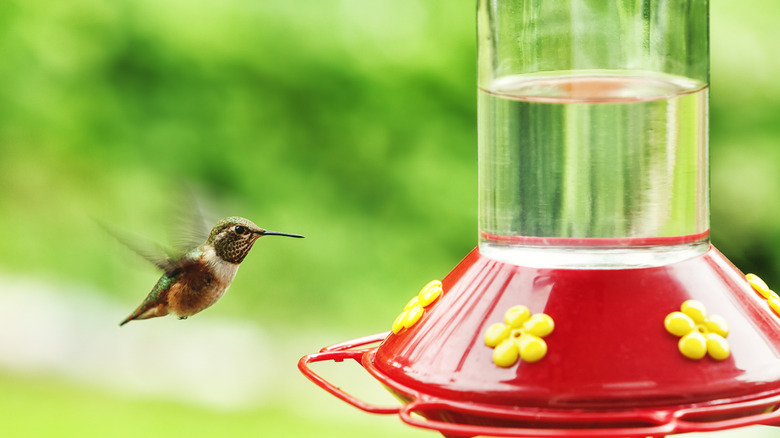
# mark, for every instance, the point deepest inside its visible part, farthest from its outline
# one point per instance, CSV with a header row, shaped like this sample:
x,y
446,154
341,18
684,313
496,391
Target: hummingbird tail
x,y
144,312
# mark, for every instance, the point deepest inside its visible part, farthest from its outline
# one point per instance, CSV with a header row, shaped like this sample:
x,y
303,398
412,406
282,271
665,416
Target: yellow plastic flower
x,y
762,289
758,285
415,308
519,336
699,334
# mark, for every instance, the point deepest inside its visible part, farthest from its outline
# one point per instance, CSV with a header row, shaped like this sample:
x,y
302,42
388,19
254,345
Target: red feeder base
x,y
611,368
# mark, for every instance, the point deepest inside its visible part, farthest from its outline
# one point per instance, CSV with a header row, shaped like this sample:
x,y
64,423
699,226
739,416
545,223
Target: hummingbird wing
x,y
193,223
154,253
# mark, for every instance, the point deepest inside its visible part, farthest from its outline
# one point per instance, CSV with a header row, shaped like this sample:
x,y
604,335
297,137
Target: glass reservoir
x,y
593,139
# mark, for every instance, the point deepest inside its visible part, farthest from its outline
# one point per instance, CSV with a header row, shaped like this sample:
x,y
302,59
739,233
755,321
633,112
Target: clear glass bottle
x,y
593,137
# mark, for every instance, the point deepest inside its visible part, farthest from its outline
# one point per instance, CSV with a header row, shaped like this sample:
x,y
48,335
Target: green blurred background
x,y
352,122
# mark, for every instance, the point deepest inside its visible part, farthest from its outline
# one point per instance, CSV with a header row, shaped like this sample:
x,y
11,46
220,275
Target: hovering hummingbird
x,y
197,279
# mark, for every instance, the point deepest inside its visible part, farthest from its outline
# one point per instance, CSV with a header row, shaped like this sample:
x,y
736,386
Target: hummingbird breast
x,y
198,287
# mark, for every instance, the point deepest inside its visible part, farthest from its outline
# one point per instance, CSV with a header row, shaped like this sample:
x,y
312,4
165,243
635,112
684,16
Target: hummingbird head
x,y
233,237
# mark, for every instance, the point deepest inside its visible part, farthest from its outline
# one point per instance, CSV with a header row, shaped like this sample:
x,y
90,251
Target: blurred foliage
x,y
352,122
744,135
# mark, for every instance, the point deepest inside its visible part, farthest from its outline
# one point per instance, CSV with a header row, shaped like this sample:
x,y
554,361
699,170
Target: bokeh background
x,y
352,122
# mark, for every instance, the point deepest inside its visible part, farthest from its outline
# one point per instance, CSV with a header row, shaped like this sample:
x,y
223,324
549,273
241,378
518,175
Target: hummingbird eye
x,y
240,229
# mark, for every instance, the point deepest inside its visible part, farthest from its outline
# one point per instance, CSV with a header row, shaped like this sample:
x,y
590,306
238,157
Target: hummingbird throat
x,y
233,251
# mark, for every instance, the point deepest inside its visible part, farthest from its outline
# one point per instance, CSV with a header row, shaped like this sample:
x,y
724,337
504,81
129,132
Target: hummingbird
x,y
198,278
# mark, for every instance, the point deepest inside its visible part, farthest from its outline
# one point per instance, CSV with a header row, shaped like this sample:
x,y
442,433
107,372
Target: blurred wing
x,y
192,224
147,249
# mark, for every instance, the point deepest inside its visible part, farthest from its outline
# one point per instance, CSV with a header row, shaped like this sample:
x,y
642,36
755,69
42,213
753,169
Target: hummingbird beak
x,y
277,233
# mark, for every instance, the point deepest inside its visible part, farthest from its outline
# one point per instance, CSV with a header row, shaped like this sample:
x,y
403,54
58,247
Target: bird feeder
x,y
594,304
